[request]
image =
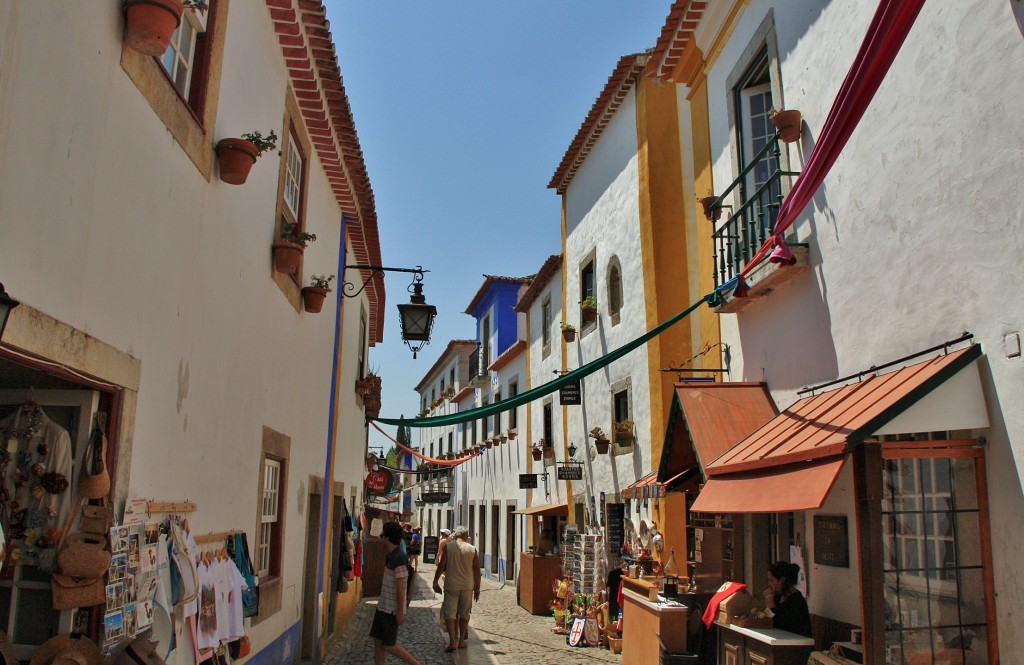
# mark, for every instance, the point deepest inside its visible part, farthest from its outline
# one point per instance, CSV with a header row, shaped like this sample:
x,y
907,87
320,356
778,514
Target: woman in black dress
x,y
785,600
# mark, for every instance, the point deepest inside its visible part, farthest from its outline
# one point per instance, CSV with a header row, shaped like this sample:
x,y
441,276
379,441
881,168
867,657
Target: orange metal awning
x,y
648,487
720,415
545,509
777,490
825,425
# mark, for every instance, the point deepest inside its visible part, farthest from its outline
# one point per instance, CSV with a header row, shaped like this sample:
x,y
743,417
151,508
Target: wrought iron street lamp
x,y
7,303
417,317
572,450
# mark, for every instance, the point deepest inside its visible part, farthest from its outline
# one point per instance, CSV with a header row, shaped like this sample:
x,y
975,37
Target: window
x,y
293,179
513,390
183,86
451,441
620,404
486,425
753,101
587,290
451,377
548,431
614,290
485,342
269,530
545,326
465,433
932,559
497,416
442,387
361,368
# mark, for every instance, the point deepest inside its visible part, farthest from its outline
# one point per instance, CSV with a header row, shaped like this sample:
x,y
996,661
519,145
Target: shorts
x,y
384,628
457,604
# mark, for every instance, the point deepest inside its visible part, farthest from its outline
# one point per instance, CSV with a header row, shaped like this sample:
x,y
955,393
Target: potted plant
x,y
512,434
711,212
601,441
503,437
788,123
235,157
313,296
588,308
488,443
538,450
549,452
624,432
568,332
288,250
496,439
149,24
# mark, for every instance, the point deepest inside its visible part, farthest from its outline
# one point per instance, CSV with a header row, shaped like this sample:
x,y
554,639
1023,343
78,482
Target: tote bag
x,y
251,594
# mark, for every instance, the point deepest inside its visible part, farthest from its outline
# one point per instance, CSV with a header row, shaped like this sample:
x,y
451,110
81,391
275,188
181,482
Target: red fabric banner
x,y
889,28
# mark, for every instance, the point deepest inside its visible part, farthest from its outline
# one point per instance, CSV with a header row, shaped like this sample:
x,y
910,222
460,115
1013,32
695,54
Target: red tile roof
x,y
540,280
677,32
312,61
622,80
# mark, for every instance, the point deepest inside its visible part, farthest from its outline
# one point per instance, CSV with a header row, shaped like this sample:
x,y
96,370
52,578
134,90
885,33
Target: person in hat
x,y
461,569
391,609
446,535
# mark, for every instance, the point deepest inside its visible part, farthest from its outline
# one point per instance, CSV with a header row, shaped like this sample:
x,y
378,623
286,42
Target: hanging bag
x,y
96,519
251,594
84,555
95,482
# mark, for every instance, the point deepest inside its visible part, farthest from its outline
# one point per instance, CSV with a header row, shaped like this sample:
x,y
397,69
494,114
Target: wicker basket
x,y
615,644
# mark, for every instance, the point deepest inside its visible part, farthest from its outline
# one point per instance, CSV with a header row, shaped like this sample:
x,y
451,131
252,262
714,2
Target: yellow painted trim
x,y
565,365
663,242
724,34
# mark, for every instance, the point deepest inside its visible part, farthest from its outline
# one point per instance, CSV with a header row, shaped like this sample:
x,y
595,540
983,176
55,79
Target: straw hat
x,y
67,650
7,655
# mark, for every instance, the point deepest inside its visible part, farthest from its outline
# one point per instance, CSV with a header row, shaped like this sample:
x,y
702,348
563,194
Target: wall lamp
x,y
572,450
7,303
417,317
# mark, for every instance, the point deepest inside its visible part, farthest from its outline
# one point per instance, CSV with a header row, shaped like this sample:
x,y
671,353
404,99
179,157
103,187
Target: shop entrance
x,y
510,543
26,612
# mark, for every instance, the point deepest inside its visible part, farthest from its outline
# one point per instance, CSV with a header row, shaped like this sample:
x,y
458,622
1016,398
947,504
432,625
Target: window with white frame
x,y
179,60
545,326
614,289
269,514
293,178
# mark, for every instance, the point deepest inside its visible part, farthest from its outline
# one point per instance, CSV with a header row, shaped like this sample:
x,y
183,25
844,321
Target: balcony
x,y
738,238
478,375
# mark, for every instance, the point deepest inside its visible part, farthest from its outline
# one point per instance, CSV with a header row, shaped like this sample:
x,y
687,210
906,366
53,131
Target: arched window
x,y
614,289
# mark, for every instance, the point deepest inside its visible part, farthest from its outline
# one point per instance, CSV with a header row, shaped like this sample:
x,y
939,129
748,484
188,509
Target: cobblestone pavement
x,y
501,633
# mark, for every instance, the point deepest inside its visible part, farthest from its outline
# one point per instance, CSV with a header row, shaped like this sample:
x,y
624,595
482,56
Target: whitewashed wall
x,y
108,227
602,215
915,236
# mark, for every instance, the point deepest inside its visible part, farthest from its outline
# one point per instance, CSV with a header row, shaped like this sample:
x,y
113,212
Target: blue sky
x,y
464,109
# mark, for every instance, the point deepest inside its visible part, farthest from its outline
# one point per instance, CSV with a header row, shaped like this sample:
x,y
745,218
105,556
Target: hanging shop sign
x,y
435,497
527,481
615,515
831,541
569,394
379,482
569,471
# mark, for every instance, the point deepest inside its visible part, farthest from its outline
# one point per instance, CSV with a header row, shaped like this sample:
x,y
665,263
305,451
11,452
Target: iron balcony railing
x,y
738,238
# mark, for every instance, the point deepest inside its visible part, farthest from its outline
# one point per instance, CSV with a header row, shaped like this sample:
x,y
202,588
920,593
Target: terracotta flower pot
x,y
149,24
537,454
313,298
569,334
235,158
589,314
624,438
711,214
549,452
512,434
602,446
789,125
287,256
489,443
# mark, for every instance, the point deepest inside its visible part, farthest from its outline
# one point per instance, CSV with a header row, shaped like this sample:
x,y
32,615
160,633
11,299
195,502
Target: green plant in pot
x,y
288,250
313,296
588,308
235,157
788,123
624,432
601,441
568,332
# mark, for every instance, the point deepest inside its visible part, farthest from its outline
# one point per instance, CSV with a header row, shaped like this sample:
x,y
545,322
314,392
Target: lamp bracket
x,y
349,289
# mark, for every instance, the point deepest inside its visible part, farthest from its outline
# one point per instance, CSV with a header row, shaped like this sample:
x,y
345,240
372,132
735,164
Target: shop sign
x,y
527,481
379,482
436,497
569,394
615,515
569,472
831,541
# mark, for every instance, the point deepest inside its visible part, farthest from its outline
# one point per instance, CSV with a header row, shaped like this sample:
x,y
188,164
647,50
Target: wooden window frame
x,y
293,135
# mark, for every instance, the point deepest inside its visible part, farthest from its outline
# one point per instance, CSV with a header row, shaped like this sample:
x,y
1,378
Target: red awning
x,y
720,415
648,487
778,490
826,424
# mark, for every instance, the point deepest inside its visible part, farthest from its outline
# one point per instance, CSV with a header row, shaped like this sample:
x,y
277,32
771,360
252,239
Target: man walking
x,y
460,566
391,609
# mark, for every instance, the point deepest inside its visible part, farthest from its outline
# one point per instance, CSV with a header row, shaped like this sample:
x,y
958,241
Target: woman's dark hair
x,y
786,572
392,532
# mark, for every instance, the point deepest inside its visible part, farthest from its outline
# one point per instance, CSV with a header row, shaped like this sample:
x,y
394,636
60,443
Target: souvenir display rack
x,y
587,552
714,554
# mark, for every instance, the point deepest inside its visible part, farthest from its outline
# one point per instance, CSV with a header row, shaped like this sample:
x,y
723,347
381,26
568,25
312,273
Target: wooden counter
x,y
642,621
764,646
537,574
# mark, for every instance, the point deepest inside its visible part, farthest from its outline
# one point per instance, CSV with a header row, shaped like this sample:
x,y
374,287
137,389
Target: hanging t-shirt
x,y
206,633
236,583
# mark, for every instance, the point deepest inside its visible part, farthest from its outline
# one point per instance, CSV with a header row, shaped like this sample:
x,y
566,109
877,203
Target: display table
x,y
643,620
537,574
762,646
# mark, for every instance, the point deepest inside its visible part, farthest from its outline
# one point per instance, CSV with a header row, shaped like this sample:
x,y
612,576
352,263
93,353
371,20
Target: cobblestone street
x,y
501,632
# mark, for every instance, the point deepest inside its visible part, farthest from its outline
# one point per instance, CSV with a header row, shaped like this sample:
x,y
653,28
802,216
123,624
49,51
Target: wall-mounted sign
x,y
831,541
569,394
379,482
527,481
436,497
569,472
